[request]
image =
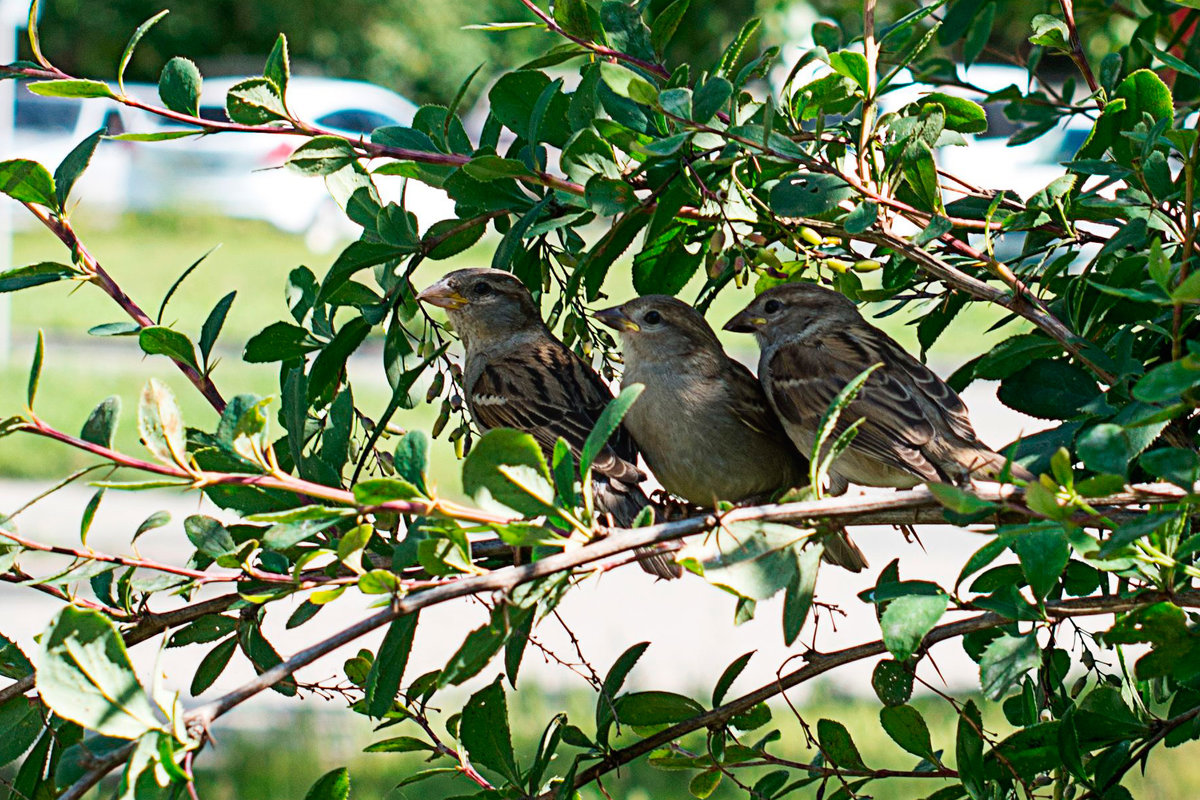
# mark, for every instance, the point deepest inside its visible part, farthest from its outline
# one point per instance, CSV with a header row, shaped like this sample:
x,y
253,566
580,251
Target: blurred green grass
x,y
147,253
250,764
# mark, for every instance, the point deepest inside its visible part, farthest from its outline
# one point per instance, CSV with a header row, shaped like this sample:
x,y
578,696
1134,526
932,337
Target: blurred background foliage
x,y
423,48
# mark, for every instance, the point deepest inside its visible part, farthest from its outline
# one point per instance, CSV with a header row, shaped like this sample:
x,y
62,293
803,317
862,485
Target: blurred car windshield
x,y
38,114
355,120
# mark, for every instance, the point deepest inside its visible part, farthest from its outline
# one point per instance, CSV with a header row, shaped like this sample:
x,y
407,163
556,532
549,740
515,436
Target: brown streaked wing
x,y
546,391
946,406
806,379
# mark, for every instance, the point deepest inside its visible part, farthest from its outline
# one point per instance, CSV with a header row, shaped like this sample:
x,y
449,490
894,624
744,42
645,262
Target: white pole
x,y
10,24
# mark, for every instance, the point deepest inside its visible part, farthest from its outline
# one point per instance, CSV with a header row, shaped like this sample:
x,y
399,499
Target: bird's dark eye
x,y
482,289
772,306
652,318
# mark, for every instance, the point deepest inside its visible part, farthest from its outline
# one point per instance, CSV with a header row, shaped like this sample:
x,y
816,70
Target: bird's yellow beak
x,y
745,322
616,319
441,295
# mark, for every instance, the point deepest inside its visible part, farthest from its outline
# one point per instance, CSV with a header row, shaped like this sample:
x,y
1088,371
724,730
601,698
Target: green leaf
x,y
212,665
213,324
797,600
666,23
400,744
132,45
71,87
1043,553
608,196
28,182
808,194
449,237
961,114
84,675
1105,448
613,681
892,682
852,65
208,628
161,424
968,752
484,733
377,491
729,676
35,369
572,16
71,167
703,784
279,341
333,785
907,728
21,721
277,68
255,102
1049,31
655,708
358,256
664,265
606,425
101,424
209,536
17,278
625,29
89,514
710,98
754,560
1005,661
322,155
958,500
412,458
507,467
158,340
387,670
179,86
1048,389
1165,383
1175,464
404,138
13,663
837,746
627,83
907,619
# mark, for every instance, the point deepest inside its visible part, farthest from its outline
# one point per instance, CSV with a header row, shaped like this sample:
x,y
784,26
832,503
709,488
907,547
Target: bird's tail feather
x,y
841,551
622,503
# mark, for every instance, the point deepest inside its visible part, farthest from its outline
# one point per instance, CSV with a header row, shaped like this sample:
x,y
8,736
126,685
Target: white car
x,y
46,129
243,174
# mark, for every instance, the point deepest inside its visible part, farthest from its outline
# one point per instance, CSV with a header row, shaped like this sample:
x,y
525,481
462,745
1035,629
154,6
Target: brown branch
x,y
600,50
201,479
822,663
1077,54
97,274
145,628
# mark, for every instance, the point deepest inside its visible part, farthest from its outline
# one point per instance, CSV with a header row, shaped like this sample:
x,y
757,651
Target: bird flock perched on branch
x,y
707,428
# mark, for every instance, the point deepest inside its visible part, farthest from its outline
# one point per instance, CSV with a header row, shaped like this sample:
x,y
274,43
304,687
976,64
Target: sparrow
x,y
702,421
518,375
915,429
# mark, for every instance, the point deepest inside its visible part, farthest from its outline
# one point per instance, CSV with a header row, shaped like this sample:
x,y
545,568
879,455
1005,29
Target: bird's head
x,y
794,310
484,304
660,328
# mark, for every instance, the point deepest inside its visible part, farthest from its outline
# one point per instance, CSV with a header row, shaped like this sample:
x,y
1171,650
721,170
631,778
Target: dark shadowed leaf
x,y
484,732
